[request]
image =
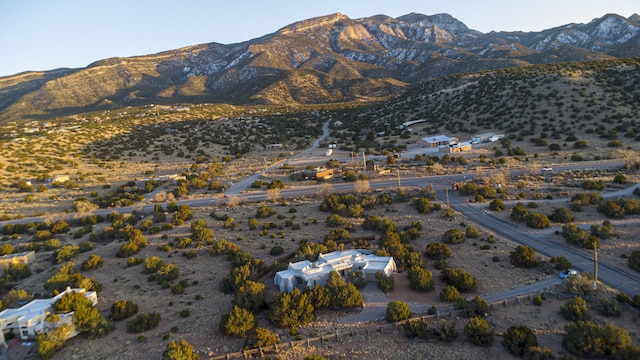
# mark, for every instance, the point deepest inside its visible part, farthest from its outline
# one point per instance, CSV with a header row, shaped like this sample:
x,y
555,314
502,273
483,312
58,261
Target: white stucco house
x,y
309,274
29,319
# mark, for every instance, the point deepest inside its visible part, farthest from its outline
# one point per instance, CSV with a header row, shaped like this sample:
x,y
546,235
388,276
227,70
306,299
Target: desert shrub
x,y
575,309
537,301
496,205
14,298
185,313
608,307
453,236
66,253
260,337
314,357
46,349
523,256
539,353
179,350
16,272
51,244
291,309
620,179
589,340
603,231
385,283
437,251
579,237
276,250
459,278
472,232
477,330
143,322
397,311
519,212
264,212
594,184
561,215
445,331
250,295
122,309
420,279
519,339
538,221
449,294
416,329
335,220
238,322
423,205
93,262
6,249
560,263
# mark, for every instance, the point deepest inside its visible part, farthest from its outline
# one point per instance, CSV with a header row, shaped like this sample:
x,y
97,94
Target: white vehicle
x,y
547,169
329,152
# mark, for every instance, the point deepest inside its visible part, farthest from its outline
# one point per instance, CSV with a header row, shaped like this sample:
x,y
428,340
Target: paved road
x,y
609,270
376,301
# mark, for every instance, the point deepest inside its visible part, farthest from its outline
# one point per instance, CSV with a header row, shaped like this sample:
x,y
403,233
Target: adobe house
x,y
23,257
29,319
309,274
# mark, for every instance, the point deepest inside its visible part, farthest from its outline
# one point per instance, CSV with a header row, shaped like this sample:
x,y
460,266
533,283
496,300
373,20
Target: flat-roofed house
x,y
306,273
436,141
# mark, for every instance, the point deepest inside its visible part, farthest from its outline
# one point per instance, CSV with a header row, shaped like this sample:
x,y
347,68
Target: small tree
x,y
449,294
385,283
496,205
589,340
437,251
519,339
453,236
237,323
575,309
122,309
477,330
445,331
523,256
143,322
397,311
260,337
420,279
179,350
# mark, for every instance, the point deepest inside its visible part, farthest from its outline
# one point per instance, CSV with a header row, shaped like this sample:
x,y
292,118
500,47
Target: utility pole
x,y
595,264
399,187
364,160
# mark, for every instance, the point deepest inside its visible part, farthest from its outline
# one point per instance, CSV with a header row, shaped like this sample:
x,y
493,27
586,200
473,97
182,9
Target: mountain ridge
x,y
330,58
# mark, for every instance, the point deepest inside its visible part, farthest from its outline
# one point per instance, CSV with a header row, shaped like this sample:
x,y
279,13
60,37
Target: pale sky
x,y
50,34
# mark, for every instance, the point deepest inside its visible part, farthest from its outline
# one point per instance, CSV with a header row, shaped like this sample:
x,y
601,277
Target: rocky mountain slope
x,y
326,59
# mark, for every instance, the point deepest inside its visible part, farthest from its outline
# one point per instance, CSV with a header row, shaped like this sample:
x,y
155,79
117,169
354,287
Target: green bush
x,y
496,205
560,263
449,294
437,251
561,215
519,213
453,236
179,350
477,330
397,311
237,323
575,309
93,262
385,283
292,309
589,340
537,300
538,221
523,256
519,339
260,337
420,279
459,278
608,307
143,322
472,232
445,331
122,309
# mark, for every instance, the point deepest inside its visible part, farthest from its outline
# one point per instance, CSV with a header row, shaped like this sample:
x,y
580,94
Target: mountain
x,y
326,59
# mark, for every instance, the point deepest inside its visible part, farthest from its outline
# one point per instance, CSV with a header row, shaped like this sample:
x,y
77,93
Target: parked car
x,y
547,169
569,273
